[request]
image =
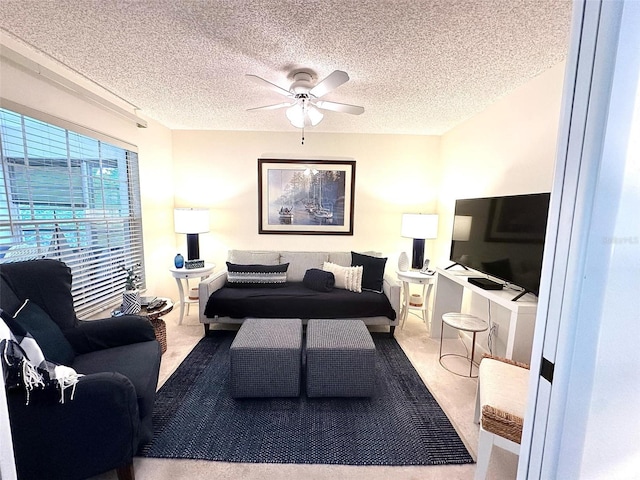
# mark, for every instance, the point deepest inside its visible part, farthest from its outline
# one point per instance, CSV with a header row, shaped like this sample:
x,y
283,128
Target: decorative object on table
x,y
193,293
415,300
178,261
419,227
306,196
192,221
131,303
191,264
403,262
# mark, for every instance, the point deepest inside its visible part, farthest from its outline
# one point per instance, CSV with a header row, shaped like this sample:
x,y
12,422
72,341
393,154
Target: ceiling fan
x,y
304,97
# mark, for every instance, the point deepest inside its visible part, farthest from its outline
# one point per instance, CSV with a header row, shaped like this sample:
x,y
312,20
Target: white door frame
x,y
601,84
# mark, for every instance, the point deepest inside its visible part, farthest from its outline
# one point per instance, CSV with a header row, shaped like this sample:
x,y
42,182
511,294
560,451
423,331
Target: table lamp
x,y
192,221
419,227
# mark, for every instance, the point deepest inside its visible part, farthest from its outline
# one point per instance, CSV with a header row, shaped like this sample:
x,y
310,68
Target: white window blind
x,y
73,198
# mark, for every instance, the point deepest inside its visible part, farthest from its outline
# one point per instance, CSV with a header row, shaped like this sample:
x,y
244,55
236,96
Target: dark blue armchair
x,y
109,417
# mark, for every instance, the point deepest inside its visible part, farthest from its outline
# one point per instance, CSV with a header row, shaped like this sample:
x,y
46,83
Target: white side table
x,y
182,276
415,277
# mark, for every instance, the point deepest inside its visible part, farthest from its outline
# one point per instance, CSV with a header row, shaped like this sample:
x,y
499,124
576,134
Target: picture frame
x,y
306,197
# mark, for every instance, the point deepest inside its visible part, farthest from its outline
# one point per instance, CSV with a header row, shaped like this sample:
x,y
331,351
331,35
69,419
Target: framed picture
x,y
306,197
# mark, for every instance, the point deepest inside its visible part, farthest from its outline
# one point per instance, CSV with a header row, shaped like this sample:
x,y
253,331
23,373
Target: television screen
x,y
502,237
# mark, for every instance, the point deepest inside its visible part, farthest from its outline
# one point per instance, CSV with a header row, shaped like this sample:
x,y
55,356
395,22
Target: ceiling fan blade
x,y
269,85
331,82
272,107
339,107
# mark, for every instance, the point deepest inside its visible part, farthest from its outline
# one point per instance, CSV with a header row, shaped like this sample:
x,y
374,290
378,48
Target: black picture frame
x,y
306,197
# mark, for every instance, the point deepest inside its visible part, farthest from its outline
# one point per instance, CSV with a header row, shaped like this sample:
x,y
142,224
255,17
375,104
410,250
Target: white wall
x,y
507,149
394,174
154,151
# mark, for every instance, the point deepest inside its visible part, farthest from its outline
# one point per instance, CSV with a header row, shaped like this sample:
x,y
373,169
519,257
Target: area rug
x,y
196,418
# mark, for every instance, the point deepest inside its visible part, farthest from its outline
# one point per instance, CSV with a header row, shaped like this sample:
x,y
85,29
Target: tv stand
x,y
517,317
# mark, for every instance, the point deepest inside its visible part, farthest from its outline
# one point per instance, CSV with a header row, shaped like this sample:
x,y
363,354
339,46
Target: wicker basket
x,y
502,423
160,329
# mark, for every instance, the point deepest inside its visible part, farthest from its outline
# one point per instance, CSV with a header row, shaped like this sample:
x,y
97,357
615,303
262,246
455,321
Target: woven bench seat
x,y
341,359
266,358
501,403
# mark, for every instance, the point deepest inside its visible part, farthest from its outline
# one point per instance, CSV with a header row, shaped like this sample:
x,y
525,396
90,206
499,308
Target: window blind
x,y
74,198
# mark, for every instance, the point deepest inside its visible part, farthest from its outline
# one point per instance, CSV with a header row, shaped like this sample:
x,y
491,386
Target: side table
x,y
415,277
465,323
182,276
159,325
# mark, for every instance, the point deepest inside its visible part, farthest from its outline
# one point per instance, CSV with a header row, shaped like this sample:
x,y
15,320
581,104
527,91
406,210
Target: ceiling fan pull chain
x,y
302,135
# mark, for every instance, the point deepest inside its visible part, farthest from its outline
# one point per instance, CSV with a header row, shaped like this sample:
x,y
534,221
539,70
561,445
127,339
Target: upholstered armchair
x,y
103,422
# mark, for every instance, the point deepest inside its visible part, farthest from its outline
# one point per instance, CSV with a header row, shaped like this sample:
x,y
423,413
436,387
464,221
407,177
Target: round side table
x,y
165,305
182,276
415,277
465,323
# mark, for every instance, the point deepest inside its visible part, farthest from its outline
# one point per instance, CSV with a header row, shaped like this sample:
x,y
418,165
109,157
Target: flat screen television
x,y
502,237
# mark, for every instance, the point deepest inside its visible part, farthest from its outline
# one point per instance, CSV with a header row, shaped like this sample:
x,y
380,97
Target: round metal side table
x,y
466,323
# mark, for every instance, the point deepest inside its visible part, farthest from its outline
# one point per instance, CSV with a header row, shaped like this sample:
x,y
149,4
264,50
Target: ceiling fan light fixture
x,y
315,115
303,114
295,114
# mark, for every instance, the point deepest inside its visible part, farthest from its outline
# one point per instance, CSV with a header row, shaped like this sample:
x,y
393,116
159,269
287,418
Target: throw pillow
x,y
256,275
356,278
372,270
346,277
54,345
319,280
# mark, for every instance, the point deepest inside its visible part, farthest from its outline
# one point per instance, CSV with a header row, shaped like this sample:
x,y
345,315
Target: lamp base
x,y
191,264
418,253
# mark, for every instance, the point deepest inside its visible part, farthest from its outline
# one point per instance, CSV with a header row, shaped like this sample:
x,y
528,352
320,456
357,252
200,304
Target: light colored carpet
x,y
455,394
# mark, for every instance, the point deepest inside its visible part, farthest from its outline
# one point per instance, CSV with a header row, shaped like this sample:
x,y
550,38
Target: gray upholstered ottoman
x,y
341,359
266,358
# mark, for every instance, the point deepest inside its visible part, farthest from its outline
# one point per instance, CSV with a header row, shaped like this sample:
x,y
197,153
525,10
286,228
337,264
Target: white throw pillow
x,y
347,278
356,278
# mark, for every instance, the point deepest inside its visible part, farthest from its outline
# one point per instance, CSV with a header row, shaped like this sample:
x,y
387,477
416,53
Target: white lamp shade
x,y
303,114
295,115
417,225
315,115
462,227
191,220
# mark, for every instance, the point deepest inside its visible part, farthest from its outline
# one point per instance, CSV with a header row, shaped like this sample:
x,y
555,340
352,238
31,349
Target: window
x,y
71,197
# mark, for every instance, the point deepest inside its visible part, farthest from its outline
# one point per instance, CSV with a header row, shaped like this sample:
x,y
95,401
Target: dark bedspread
x,y
296,301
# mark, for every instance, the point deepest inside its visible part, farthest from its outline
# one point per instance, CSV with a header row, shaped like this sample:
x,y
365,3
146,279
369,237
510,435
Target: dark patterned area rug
x,y
196,418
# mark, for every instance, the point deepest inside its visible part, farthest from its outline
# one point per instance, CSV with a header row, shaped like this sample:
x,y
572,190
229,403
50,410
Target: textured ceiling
x,y
417,67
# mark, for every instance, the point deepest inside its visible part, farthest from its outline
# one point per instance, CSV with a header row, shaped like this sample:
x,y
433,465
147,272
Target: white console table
x,y
520,314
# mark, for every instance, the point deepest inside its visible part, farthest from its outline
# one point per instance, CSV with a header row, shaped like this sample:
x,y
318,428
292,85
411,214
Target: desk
x,y
182,276
415,277
519,315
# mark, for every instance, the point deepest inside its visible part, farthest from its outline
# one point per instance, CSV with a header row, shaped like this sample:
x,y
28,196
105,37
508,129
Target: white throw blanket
x,y
22,358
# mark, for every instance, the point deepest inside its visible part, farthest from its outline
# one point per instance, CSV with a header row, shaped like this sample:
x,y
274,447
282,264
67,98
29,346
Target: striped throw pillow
x,y
256,275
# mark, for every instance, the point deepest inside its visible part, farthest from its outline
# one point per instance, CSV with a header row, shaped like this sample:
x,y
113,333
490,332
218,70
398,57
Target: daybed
x,y
223,302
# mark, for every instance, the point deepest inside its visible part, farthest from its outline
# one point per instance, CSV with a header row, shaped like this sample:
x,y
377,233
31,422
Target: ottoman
x,y
341,359
265,358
